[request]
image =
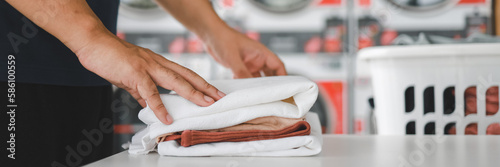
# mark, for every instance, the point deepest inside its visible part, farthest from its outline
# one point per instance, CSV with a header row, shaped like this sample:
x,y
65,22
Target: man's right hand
x,y
130,67
139,71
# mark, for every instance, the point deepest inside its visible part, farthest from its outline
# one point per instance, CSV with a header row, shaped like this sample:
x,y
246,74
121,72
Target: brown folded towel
x,y
192,137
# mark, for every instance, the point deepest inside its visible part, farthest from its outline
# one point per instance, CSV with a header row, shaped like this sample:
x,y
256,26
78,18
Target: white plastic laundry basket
x,y
399,71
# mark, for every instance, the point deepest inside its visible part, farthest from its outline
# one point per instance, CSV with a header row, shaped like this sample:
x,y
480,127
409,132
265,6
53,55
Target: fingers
x,y
265,61
147,89
192,78
274,65
256,74
238,67
281,70
169,79
240,71
275,72
269,72
137,97
177,78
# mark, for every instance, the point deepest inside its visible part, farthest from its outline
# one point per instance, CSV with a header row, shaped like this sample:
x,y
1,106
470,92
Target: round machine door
x,y
140,9
420,6
281,6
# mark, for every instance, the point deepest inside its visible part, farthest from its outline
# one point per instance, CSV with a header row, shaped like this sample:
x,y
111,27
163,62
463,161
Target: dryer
x,y
381,21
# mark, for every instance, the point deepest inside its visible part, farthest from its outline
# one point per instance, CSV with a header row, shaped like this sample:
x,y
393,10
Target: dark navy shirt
x,y
40,57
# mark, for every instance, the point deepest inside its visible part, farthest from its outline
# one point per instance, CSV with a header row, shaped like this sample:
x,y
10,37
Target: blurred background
x,y
318,39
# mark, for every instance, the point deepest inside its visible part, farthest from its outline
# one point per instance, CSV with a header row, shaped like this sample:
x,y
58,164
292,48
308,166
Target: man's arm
x,y
70,21
244,56
133,68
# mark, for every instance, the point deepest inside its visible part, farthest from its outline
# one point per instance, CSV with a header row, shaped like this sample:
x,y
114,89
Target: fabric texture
x,y
245,100
193,137
262,123
289,146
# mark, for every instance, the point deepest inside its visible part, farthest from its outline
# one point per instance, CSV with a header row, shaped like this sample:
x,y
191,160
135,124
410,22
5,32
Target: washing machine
x,y
290,26
144,23
381,21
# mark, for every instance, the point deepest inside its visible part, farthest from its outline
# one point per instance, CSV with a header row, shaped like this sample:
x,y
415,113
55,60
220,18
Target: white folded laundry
x,y
245,99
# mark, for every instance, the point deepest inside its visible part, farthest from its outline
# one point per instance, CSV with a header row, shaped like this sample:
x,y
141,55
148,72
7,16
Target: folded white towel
x,y
245,99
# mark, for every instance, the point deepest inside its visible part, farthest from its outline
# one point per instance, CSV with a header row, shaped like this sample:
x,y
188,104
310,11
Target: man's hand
x,y
244,56
140,70
133,68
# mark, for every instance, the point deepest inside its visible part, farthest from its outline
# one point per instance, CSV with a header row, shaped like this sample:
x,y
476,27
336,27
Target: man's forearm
x,y
196,15
71,21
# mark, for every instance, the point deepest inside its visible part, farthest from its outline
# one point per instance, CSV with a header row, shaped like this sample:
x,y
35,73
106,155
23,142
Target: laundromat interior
x,y
352,50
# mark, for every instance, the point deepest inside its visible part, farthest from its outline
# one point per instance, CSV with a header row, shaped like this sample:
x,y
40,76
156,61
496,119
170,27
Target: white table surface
x,y
348,150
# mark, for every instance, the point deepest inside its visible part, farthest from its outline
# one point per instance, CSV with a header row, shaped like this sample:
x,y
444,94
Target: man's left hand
x,y
245,57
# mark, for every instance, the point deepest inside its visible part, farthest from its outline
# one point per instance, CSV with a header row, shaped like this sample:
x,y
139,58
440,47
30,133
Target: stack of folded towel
x,y
257,117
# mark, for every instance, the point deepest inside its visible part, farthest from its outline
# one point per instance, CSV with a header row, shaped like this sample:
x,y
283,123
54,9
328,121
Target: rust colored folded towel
x,y
192,137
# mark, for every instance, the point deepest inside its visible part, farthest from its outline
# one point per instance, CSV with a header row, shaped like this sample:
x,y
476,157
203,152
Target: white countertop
x,y
348,150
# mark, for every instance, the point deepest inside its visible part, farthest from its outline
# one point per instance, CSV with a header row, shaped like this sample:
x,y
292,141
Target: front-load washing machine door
x,y
423,5
141,9
281,6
